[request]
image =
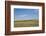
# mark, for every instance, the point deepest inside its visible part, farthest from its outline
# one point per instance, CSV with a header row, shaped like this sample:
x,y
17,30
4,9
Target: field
x,y
26,23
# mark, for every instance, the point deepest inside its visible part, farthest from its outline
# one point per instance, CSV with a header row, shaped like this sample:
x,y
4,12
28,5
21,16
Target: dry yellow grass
x,y
27,23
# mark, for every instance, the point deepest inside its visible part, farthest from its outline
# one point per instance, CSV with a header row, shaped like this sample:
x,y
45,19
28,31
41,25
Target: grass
x,y
26,23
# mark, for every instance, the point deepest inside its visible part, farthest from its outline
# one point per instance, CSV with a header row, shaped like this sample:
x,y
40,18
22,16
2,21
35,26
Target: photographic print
x,y
26,17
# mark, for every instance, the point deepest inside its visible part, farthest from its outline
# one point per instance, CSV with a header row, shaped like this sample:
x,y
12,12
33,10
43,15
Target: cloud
x,y
24,15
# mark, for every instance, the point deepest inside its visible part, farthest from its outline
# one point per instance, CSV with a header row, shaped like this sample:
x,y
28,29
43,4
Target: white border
x,y
26,28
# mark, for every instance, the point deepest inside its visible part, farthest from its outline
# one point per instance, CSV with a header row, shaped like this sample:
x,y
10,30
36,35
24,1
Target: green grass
x,y
26,23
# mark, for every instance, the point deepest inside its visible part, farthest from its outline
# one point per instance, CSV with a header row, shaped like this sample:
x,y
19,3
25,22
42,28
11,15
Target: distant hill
x,y
26,20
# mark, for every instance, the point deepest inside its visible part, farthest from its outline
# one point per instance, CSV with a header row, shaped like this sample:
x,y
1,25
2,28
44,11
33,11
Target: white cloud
x,y
24,15
21,17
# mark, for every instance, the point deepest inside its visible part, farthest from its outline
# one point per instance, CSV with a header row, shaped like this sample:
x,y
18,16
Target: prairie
x,y
26,23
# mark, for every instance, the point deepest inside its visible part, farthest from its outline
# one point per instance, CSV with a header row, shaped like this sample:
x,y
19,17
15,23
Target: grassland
x,y
26,23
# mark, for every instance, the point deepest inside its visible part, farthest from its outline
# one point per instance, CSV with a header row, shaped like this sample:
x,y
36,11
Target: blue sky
x,y
26,14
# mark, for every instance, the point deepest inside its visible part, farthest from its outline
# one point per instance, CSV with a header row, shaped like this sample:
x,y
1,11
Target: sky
x,y
26,14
